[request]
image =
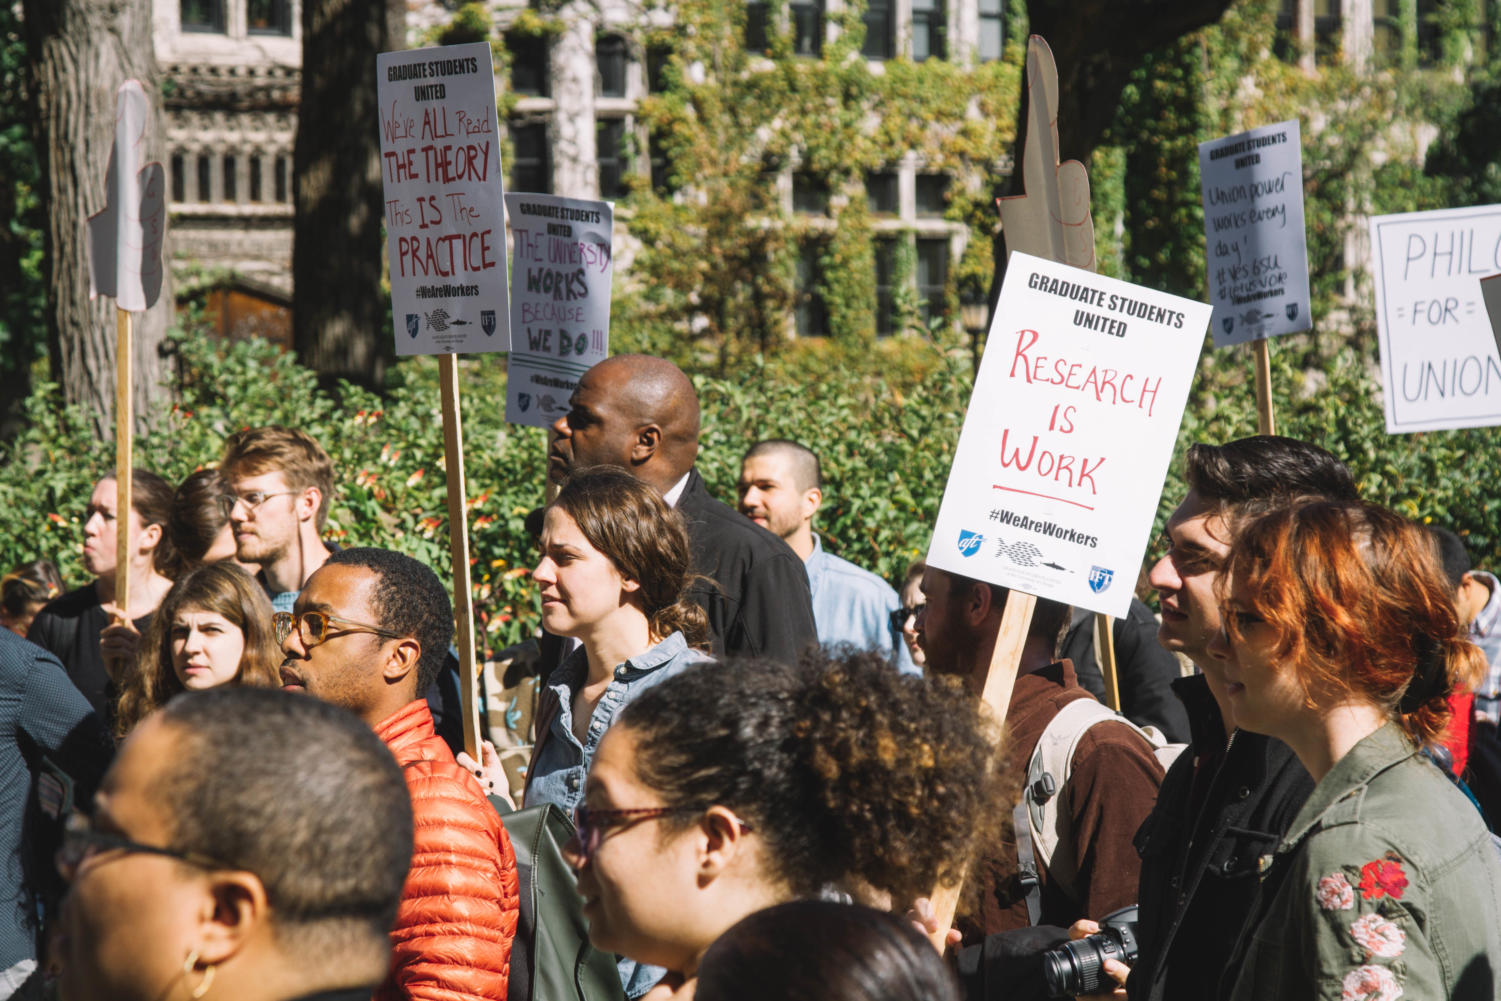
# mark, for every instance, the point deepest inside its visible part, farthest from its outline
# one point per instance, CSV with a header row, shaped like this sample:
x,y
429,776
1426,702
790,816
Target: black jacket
x,y
761,606
1218,811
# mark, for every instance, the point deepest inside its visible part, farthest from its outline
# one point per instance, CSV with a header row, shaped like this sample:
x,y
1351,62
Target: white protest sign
x,y
1439,361
125,239
1068,435
1254,233
561,266
1490,291
445,224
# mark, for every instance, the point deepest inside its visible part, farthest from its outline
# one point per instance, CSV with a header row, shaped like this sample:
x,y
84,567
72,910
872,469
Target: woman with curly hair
x,y
1341,638
731,788
213,628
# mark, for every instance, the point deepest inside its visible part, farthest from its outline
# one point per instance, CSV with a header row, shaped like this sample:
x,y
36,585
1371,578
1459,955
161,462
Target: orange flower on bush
x,y
1383,878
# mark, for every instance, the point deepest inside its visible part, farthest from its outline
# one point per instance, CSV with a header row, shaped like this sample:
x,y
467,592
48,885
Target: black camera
x,y
1078,967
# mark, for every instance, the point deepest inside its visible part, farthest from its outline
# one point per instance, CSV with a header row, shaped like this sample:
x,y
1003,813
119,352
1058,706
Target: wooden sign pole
x,y
1104,655
458,539
124,543
1265,423
1000,678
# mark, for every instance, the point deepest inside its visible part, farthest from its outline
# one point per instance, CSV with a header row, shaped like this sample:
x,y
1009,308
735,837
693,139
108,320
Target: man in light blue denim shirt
x,y
781,489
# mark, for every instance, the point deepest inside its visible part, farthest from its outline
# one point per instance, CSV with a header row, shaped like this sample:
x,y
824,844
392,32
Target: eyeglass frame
x,y
251,500
81,842
588,836
283,624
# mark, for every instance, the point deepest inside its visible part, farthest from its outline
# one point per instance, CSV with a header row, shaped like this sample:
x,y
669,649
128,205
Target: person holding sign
x,y
80,628
1339,636
731,788
641,413
1114,774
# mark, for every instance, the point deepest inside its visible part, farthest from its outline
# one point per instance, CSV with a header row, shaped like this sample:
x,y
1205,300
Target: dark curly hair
x,y
627,521
855,775
1360,605
819,950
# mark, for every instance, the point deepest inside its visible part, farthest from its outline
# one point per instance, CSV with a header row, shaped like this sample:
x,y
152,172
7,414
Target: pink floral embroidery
x,y
1383,878
1371,983
1335,893
1379,937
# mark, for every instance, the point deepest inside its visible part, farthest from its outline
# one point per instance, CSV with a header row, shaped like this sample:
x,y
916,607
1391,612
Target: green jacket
x,y
1385,886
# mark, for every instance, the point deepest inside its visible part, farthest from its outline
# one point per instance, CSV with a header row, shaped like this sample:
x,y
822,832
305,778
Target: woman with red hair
x,y
1341,639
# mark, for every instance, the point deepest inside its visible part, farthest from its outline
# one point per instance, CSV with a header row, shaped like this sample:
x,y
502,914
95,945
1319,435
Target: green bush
x,y
883,419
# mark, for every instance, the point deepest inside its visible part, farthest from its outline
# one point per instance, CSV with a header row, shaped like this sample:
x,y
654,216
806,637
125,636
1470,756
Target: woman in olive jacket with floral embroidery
x,y
1341,639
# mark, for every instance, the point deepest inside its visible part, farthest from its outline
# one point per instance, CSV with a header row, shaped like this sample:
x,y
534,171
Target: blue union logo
x,y
1100,578
414,323
969,543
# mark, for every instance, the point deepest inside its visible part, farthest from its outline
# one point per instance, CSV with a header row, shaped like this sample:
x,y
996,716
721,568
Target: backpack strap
x,y
1041,825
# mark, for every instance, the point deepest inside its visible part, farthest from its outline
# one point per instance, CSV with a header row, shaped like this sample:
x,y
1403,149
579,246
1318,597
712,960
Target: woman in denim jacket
x,y
613,573
1342,640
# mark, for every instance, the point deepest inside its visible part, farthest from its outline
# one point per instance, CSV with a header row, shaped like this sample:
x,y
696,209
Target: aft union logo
x,y
1100,578
969,543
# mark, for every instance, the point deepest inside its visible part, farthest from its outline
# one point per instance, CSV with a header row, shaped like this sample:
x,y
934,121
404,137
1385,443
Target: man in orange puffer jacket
x,y
369,632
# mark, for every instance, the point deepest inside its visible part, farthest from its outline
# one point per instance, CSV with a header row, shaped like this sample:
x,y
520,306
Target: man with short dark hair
x,y
301,824
641,413
1231,795
781,489
368,633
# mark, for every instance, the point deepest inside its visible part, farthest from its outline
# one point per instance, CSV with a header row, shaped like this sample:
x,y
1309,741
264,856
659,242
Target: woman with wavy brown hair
x,y
213,628
1341,639
732,788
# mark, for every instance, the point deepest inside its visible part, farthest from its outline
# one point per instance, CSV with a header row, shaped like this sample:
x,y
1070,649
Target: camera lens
x,y
1075,968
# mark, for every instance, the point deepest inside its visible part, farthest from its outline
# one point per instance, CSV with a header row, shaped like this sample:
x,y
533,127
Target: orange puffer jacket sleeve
x,y
457,920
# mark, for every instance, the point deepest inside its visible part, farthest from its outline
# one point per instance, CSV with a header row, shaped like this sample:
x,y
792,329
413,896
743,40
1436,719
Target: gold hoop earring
x,y
208,975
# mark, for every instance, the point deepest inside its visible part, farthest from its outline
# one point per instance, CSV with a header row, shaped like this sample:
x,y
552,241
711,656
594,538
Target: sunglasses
x,y
899,616
312,627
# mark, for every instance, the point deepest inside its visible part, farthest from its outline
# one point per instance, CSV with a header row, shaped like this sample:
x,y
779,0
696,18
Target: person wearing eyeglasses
x,y
731,788
214,628
781,489
84,627
368,633
281,483
246,844
905,617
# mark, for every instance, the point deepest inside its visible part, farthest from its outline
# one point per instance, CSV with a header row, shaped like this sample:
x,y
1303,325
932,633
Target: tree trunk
x,y
80,52
341,320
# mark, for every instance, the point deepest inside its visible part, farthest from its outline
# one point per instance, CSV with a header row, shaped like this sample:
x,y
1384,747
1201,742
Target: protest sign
x,y
1068,435
445,224
125,261
125,239
1254,233
1490,292
1440,366
561,265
